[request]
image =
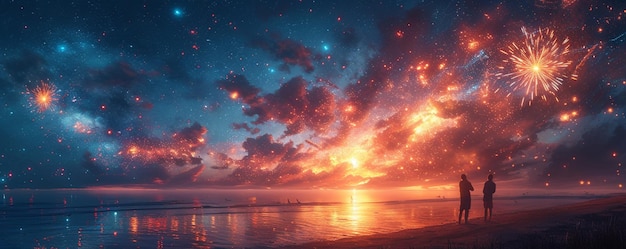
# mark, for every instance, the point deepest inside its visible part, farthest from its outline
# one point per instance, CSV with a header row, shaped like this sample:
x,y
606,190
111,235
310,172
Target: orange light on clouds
x,y
133,150
354,162
427,120
349,108
472,45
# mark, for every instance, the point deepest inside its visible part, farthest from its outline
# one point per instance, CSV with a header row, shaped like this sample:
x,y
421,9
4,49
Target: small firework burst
x,y
43,96
535,67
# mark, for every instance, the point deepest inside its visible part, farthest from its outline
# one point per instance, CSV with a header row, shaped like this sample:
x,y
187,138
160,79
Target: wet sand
x,y
503,229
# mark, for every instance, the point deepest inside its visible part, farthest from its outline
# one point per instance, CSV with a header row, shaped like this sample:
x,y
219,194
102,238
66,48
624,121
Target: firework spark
x,y
535,66
43,96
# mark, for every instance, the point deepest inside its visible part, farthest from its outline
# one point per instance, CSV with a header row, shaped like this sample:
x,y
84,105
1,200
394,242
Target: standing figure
x,y
488,190
465,187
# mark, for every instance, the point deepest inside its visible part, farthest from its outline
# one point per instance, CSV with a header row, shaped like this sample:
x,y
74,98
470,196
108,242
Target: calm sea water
x,y
216,218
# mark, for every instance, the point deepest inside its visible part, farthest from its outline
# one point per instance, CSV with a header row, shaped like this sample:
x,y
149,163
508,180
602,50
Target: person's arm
x,y
470,186
494,187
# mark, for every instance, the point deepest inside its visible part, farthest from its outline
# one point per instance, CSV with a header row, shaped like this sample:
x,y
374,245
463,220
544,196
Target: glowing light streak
x,y
427,121
536,66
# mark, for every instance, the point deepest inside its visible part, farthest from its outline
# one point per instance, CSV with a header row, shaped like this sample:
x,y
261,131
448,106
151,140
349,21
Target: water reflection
x,y
245,219
268,225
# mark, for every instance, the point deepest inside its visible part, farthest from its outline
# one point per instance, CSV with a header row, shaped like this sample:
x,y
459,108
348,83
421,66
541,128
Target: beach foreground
x,y
597,223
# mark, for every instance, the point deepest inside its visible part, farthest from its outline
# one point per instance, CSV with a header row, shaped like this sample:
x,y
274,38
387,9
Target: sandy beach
x,y
523,229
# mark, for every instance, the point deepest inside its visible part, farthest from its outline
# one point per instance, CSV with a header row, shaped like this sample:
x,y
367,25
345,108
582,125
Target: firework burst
x,y
535,67
43,96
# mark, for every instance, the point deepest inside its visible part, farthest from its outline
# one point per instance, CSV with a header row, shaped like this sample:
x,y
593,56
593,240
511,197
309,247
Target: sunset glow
x,y
316,96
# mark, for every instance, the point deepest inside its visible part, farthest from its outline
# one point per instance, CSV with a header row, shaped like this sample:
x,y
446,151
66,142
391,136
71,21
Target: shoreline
x,y
504,229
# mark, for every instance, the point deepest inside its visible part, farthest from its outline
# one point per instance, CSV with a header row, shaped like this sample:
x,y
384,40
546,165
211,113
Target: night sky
x,y
312,94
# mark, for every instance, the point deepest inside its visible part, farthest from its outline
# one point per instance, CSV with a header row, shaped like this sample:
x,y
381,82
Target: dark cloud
x,y
222,161
263,150
110,95
361,96
28,69
398,39
267,162
246,127
239,85
90,164
120,74
293,104
348,37
192,137
281,175
597,157
288,51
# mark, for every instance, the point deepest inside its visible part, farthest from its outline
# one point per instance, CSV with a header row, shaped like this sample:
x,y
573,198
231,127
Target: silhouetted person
x,y
466,200
488,190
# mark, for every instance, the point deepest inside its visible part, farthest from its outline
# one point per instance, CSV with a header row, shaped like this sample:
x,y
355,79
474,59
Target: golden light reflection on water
x,y
346,213
133,224
271,218
356,213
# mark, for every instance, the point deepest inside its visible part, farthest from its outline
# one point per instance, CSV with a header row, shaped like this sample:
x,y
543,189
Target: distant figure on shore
x,y
465,187
488,190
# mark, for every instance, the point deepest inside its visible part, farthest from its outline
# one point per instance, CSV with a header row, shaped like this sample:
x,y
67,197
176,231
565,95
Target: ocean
x,y
228,218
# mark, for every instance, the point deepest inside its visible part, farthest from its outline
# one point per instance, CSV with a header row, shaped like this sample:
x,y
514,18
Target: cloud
x,y
222,161
266,162
288,51
28,69
89,163
120,74
246,127
109,93
596,157
148,160
239,87
293,104
187,177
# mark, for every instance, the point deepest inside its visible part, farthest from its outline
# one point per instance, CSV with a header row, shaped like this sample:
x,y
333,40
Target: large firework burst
x,y
536,66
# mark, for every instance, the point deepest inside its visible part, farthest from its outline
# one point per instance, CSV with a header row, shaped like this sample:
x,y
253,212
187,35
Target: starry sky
x,y
312,94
